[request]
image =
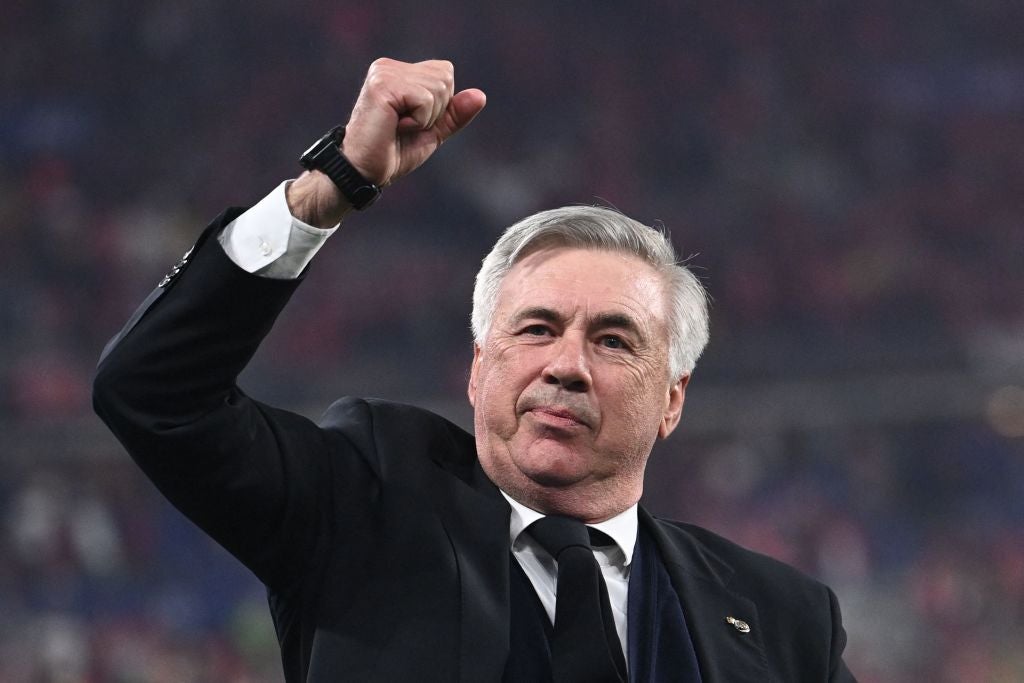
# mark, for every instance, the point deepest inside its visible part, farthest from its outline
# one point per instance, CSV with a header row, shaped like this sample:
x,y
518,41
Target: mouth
x,y
557,416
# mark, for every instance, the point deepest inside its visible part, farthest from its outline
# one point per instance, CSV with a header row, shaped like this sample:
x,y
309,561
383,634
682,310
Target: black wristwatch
x,y
325,156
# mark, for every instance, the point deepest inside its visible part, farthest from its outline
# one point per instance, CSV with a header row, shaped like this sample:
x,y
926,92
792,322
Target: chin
x,y
553,466
554,479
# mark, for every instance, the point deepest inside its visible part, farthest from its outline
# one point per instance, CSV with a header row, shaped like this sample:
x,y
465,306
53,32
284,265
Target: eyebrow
x,y
536,313
602,320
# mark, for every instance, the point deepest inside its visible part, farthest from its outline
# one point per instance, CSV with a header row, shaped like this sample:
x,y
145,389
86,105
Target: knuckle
x,y
442,68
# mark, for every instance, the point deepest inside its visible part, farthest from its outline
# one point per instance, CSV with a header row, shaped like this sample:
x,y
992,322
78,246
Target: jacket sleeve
x,y
250,475
838,672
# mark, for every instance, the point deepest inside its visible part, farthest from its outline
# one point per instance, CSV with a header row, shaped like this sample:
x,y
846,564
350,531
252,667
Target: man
x,y
397,547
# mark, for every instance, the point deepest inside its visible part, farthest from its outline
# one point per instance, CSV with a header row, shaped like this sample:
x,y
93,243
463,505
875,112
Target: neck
x,y
587,505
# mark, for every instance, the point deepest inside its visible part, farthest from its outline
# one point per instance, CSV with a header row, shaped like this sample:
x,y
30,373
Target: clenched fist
x,y
403,114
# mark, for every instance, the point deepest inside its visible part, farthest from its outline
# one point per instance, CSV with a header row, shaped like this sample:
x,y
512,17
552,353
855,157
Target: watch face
x,y
312,147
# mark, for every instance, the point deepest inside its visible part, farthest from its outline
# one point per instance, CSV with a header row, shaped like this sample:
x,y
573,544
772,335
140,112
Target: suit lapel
x,y
725,651
476,517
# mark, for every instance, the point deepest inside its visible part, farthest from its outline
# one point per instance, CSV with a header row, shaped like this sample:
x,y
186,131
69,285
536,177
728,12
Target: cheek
x,y
507,368
640,408
498,387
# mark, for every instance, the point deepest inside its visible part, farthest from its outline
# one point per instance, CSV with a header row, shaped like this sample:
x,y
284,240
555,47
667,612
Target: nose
x,y
568,365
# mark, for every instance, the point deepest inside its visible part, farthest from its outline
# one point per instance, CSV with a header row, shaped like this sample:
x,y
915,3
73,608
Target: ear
x,y
673,407
473,368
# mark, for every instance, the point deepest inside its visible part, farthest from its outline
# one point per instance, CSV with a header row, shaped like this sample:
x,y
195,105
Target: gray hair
x,y
596,227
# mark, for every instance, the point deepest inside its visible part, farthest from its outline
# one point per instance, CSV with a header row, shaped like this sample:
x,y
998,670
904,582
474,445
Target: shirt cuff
x,y
268,241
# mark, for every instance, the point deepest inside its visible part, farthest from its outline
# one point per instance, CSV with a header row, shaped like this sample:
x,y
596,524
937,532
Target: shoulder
x,y
760,577
798,617
351,413
383,428
718,550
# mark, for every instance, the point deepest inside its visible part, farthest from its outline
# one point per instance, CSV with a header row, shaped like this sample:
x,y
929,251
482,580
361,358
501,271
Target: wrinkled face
x,y
571,387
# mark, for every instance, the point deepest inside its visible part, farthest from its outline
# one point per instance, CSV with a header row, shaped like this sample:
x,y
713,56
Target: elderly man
x,y
394,545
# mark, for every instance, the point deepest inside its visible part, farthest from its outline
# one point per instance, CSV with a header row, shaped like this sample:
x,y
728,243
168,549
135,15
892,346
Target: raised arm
x,y
250,475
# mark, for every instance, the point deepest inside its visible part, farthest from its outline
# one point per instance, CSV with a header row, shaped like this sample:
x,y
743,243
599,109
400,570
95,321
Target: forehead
x,y
567,279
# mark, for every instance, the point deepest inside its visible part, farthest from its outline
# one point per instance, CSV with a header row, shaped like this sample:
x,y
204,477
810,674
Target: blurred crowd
x,y
849,178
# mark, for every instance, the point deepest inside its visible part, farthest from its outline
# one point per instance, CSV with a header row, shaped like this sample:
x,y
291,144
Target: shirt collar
x,y
622,527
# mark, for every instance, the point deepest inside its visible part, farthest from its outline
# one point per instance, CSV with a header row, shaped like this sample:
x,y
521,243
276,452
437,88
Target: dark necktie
x,y
585,647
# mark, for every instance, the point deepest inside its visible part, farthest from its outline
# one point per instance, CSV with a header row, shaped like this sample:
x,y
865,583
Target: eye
x,y
536,330
610,341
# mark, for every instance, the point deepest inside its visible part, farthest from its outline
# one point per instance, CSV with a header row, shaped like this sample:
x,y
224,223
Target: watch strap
x,y
326,157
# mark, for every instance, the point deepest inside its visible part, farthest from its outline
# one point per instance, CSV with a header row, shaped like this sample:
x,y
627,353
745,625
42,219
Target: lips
x,y
557,414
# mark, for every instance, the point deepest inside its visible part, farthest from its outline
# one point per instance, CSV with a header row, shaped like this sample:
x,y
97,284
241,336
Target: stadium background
x,y
849,178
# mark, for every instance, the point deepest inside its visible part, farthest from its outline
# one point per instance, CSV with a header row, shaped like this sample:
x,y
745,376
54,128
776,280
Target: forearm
x,y
181,355
167,389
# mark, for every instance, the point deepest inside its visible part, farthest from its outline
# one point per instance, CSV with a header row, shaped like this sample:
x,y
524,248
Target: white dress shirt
x,y
614,560
268,241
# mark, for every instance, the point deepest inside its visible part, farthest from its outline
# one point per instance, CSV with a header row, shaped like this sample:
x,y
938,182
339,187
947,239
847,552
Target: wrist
x,y
314,199
325,156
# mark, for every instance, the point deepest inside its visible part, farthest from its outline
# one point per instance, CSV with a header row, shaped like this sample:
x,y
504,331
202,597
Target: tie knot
x,y
555,534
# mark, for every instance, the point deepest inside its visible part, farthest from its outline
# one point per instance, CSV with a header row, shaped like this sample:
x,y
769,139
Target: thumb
x,y
462,108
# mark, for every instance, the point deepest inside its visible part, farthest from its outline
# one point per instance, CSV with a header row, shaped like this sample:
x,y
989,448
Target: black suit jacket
x,y
383,545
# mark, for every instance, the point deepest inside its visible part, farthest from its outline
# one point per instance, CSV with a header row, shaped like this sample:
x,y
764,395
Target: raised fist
x,y
403,114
